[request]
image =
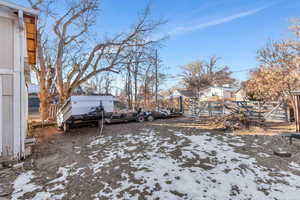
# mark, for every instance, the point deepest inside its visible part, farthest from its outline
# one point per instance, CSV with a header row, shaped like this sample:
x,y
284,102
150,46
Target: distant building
x,y
217,93
210,93
183,93
33,89
240,95
33,99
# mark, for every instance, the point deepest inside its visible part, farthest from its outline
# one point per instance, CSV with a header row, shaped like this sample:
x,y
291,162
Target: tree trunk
x,y
44,107
129,87
44,101
135,84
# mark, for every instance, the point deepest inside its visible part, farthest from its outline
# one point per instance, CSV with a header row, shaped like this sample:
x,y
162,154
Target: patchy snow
x,y
179,165
263,155
23,185
294,166
206,168
56,187
131,148
99,141
226,179
63,172
77,150
42,195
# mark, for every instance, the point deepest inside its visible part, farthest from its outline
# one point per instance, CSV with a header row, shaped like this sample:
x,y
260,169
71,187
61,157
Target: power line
x,y
243,70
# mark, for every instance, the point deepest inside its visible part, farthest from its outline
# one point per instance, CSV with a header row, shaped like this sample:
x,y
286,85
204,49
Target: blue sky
x,y
231,29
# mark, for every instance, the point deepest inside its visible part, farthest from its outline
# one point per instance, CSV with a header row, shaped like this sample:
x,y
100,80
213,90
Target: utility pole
x,y
156,79
135,81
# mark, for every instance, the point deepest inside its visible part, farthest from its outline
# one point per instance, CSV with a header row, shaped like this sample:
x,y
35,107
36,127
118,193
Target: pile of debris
x,y
232,121
237,119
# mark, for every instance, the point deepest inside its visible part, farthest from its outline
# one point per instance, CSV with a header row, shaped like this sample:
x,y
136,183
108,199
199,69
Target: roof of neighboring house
x,y
223,87
16,7
186,93
241,89
96,94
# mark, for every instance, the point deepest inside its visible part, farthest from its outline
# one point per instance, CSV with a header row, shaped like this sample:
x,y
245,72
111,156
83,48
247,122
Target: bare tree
x,y
198,75
44,69
99,84
73,59
140,63
139,78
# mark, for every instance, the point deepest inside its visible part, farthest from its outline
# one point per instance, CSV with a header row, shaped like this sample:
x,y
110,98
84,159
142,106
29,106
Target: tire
x,y
140,118
66,127
150,118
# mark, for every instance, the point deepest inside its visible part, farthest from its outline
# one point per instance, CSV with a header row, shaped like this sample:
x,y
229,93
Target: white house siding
x,y
6,41
240,95
7,114
220,92
13,92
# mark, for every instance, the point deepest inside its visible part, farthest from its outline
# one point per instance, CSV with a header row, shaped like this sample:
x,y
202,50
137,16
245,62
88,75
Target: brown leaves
x,y
279,71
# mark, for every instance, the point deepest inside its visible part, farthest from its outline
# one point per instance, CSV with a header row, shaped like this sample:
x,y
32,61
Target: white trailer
x,y
77,108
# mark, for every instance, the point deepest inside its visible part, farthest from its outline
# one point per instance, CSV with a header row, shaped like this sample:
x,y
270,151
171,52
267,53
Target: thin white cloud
x,y
185,29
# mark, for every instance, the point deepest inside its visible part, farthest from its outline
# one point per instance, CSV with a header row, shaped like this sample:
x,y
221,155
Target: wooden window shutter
x,y
31,41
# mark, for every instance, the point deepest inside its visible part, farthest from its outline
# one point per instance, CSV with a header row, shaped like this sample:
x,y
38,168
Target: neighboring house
x,y
33,89
217,93
17,42
33,99
240,95
183,93
210,93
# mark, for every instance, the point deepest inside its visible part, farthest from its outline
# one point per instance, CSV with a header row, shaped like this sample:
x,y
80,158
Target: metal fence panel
x,y
257,110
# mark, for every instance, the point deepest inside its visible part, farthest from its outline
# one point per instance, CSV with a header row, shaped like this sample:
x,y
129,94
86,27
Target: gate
x,y
256,110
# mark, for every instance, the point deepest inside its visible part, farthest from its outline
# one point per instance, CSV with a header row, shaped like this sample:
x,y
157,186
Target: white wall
x,y
220,92
13,92
6,41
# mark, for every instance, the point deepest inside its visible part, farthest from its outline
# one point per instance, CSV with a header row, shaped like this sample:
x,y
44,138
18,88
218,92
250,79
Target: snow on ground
x,y
294,166
205,168
173,165
25,184
22,185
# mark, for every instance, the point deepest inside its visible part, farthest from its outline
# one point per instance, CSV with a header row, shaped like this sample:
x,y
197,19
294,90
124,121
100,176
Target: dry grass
x,y
267,128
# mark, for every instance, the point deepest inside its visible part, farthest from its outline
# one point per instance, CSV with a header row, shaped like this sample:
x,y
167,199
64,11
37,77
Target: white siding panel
x,y
17,115
6,41
24,114
8,137
1,114
7,82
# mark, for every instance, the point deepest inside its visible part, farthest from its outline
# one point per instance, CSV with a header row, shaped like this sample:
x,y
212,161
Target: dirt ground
x,y
264,128
164,159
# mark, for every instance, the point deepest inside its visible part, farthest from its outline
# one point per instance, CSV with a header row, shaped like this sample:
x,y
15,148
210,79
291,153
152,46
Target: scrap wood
x,y
238,118
231,121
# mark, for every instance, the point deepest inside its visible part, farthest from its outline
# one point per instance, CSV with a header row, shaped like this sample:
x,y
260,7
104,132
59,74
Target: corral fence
x,y
256,110
53,109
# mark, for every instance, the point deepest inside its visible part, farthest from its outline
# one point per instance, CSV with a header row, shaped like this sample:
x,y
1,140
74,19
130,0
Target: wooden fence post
x,y
288,114
297,109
